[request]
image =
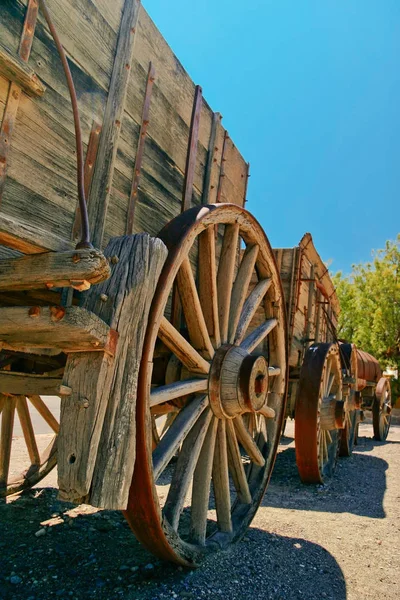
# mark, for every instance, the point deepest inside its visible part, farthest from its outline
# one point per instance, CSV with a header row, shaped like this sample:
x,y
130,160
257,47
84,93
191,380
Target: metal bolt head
x,y
103,297
34,312
76,258
114,259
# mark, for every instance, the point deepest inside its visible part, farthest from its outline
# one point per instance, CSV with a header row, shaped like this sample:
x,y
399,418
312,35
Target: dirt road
x,y
338,541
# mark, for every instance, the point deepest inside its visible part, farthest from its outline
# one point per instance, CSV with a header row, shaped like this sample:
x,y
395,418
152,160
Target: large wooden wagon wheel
x,y
319,413
39,462
348,355
381,409
199,489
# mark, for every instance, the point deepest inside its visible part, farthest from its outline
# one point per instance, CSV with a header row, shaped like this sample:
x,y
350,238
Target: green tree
x,y
370,305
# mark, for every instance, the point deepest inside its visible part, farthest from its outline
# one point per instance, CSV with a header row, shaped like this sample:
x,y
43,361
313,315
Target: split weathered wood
x,y
26,383
216,119
53,269
178,389
72,329
108,145
13,68
97,434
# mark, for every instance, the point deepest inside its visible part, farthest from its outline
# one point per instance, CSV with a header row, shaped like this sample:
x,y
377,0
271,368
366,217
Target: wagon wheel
x,y
319,413
235,367
348,355
381,409
38,462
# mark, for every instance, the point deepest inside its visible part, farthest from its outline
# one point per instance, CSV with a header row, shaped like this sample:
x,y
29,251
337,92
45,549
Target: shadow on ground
x,y
84,555
349,490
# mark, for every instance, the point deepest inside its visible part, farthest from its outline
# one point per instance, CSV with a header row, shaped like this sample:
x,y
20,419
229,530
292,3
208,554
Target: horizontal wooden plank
x,y
27,384
13,68
29,239
71,329
53,269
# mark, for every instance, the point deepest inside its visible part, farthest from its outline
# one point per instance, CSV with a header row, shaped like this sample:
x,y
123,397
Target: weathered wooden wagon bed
x,y
172,394
330,383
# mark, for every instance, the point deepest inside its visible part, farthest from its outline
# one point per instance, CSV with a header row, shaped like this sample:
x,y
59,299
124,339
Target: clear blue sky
x,y
310,93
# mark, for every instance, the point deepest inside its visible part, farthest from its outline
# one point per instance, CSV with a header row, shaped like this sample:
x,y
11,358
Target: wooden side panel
x,y
41,188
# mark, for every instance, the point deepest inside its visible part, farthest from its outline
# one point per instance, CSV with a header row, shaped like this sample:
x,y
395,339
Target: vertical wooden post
x,y
140,150
192,150
210,157
14,93
104,168
102,402
311,289
222,169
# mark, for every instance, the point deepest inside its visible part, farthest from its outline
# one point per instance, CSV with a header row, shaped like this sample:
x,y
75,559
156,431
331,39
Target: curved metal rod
x,y
85,238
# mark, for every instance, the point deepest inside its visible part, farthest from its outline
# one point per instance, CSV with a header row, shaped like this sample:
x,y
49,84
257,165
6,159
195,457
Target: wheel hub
x,y
238,382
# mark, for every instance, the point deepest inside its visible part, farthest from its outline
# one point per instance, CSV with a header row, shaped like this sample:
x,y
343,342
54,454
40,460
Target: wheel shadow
x,y
358,485
84,554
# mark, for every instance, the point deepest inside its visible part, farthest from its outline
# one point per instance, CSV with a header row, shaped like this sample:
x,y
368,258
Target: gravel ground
x,y
336,541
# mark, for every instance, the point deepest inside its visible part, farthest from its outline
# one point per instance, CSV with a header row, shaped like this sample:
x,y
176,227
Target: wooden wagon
x,y
330,382
172,394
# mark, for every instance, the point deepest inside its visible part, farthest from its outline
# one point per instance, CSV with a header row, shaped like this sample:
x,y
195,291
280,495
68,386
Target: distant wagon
x,y
153,307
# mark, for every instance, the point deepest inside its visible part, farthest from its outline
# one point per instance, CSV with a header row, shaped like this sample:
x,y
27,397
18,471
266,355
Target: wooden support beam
x,y
222,168
27,384
97,429
90,160
140,149
192,149
72,329
15,69
77,269
210,157
104,167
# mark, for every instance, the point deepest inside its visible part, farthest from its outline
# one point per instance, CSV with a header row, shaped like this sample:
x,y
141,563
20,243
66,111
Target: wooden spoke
x,y
185,467
226,273
240,288
163,409
256,337
192,310
250,307
44,412
165,393
177,433
181,348
7,426
248,443
329,437
201,485
27,429
273,371
208,284
220,479
3,399
236,467
267,412
330,384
